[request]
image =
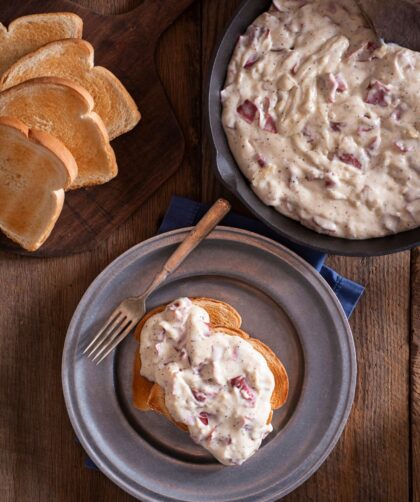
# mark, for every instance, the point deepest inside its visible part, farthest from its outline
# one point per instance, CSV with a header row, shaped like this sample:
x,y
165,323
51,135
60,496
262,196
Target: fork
x,y
126,316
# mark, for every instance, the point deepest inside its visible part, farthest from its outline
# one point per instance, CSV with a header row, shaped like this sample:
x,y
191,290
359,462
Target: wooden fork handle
x,y
207,223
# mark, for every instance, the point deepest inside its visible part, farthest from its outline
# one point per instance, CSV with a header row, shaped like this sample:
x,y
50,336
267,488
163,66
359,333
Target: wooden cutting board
x,y
148,155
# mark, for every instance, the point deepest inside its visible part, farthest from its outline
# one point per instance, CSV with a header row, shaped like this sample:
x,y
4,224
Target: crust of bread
x,y
28,33
64,109
29,220
150,396
74,59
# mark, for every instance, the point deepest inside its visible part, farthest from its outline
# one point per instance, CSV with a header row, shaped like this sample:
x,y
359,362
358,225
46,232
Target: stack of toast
x,y
58,114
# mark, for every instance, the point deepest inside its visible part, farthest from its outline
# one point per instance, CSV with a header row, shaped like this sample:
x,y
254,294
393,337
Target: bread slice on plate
x,y
27,33
74,59
35,170
65,110
223,319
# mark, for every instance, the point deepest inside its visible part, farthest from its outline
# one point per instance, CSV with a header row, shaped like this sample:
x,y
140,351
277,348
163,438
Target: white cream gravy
x,y
216,384
324,122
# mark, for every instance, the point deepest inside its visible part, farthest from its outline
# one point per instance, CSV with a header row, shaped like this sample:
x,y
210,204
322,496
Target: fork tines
x,y
114,330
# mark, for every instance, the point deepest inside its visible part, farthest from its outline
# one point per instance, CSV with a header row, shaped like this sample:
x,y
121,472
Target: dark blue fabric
x,y
185,213
90,465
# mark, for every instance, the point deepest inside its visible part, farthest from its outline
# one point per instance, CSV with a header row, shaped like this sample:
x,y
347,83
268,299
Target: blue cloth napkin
x,y
185,212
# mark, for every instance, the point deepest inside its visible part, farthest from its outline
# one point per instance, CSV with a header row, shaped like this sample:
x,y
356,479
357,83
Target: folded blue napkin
x,y
185,213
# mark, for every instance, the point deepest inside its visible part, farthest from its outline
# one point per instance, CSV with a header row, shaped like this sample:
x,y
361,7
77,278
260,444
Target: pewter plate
x,y
284,302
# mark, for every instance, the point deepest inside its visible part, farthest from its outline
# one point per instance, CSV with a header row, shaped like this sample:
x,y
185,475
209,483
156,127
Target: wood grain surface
x,y
378,456
149,154
415,374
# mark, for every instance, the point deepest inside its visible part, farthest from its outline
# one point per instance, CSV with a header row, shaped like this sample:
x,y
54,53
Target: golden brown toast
x,y
35,170
65,110
225,319
28,33
74,59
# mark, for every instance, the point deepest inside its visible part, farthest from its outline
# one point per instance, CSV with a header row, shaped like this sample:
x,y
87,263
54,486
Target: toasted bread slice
x,y
74,59
35,170
150,396
29,33
64,109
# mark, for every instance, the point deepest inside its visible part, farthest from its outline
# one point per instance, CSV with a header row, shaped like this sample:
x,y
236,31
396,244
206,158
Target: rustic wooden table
x,y
378,456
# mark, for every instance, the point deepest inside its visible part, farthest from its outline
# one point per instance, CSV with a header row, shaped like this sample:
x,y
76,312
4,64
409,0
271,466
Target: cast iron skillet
x,y
230,175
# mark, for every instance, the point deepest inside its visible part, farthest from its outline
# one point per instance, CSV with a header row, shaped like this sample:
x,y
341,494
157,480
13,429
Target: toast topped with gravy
x,y
197,367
